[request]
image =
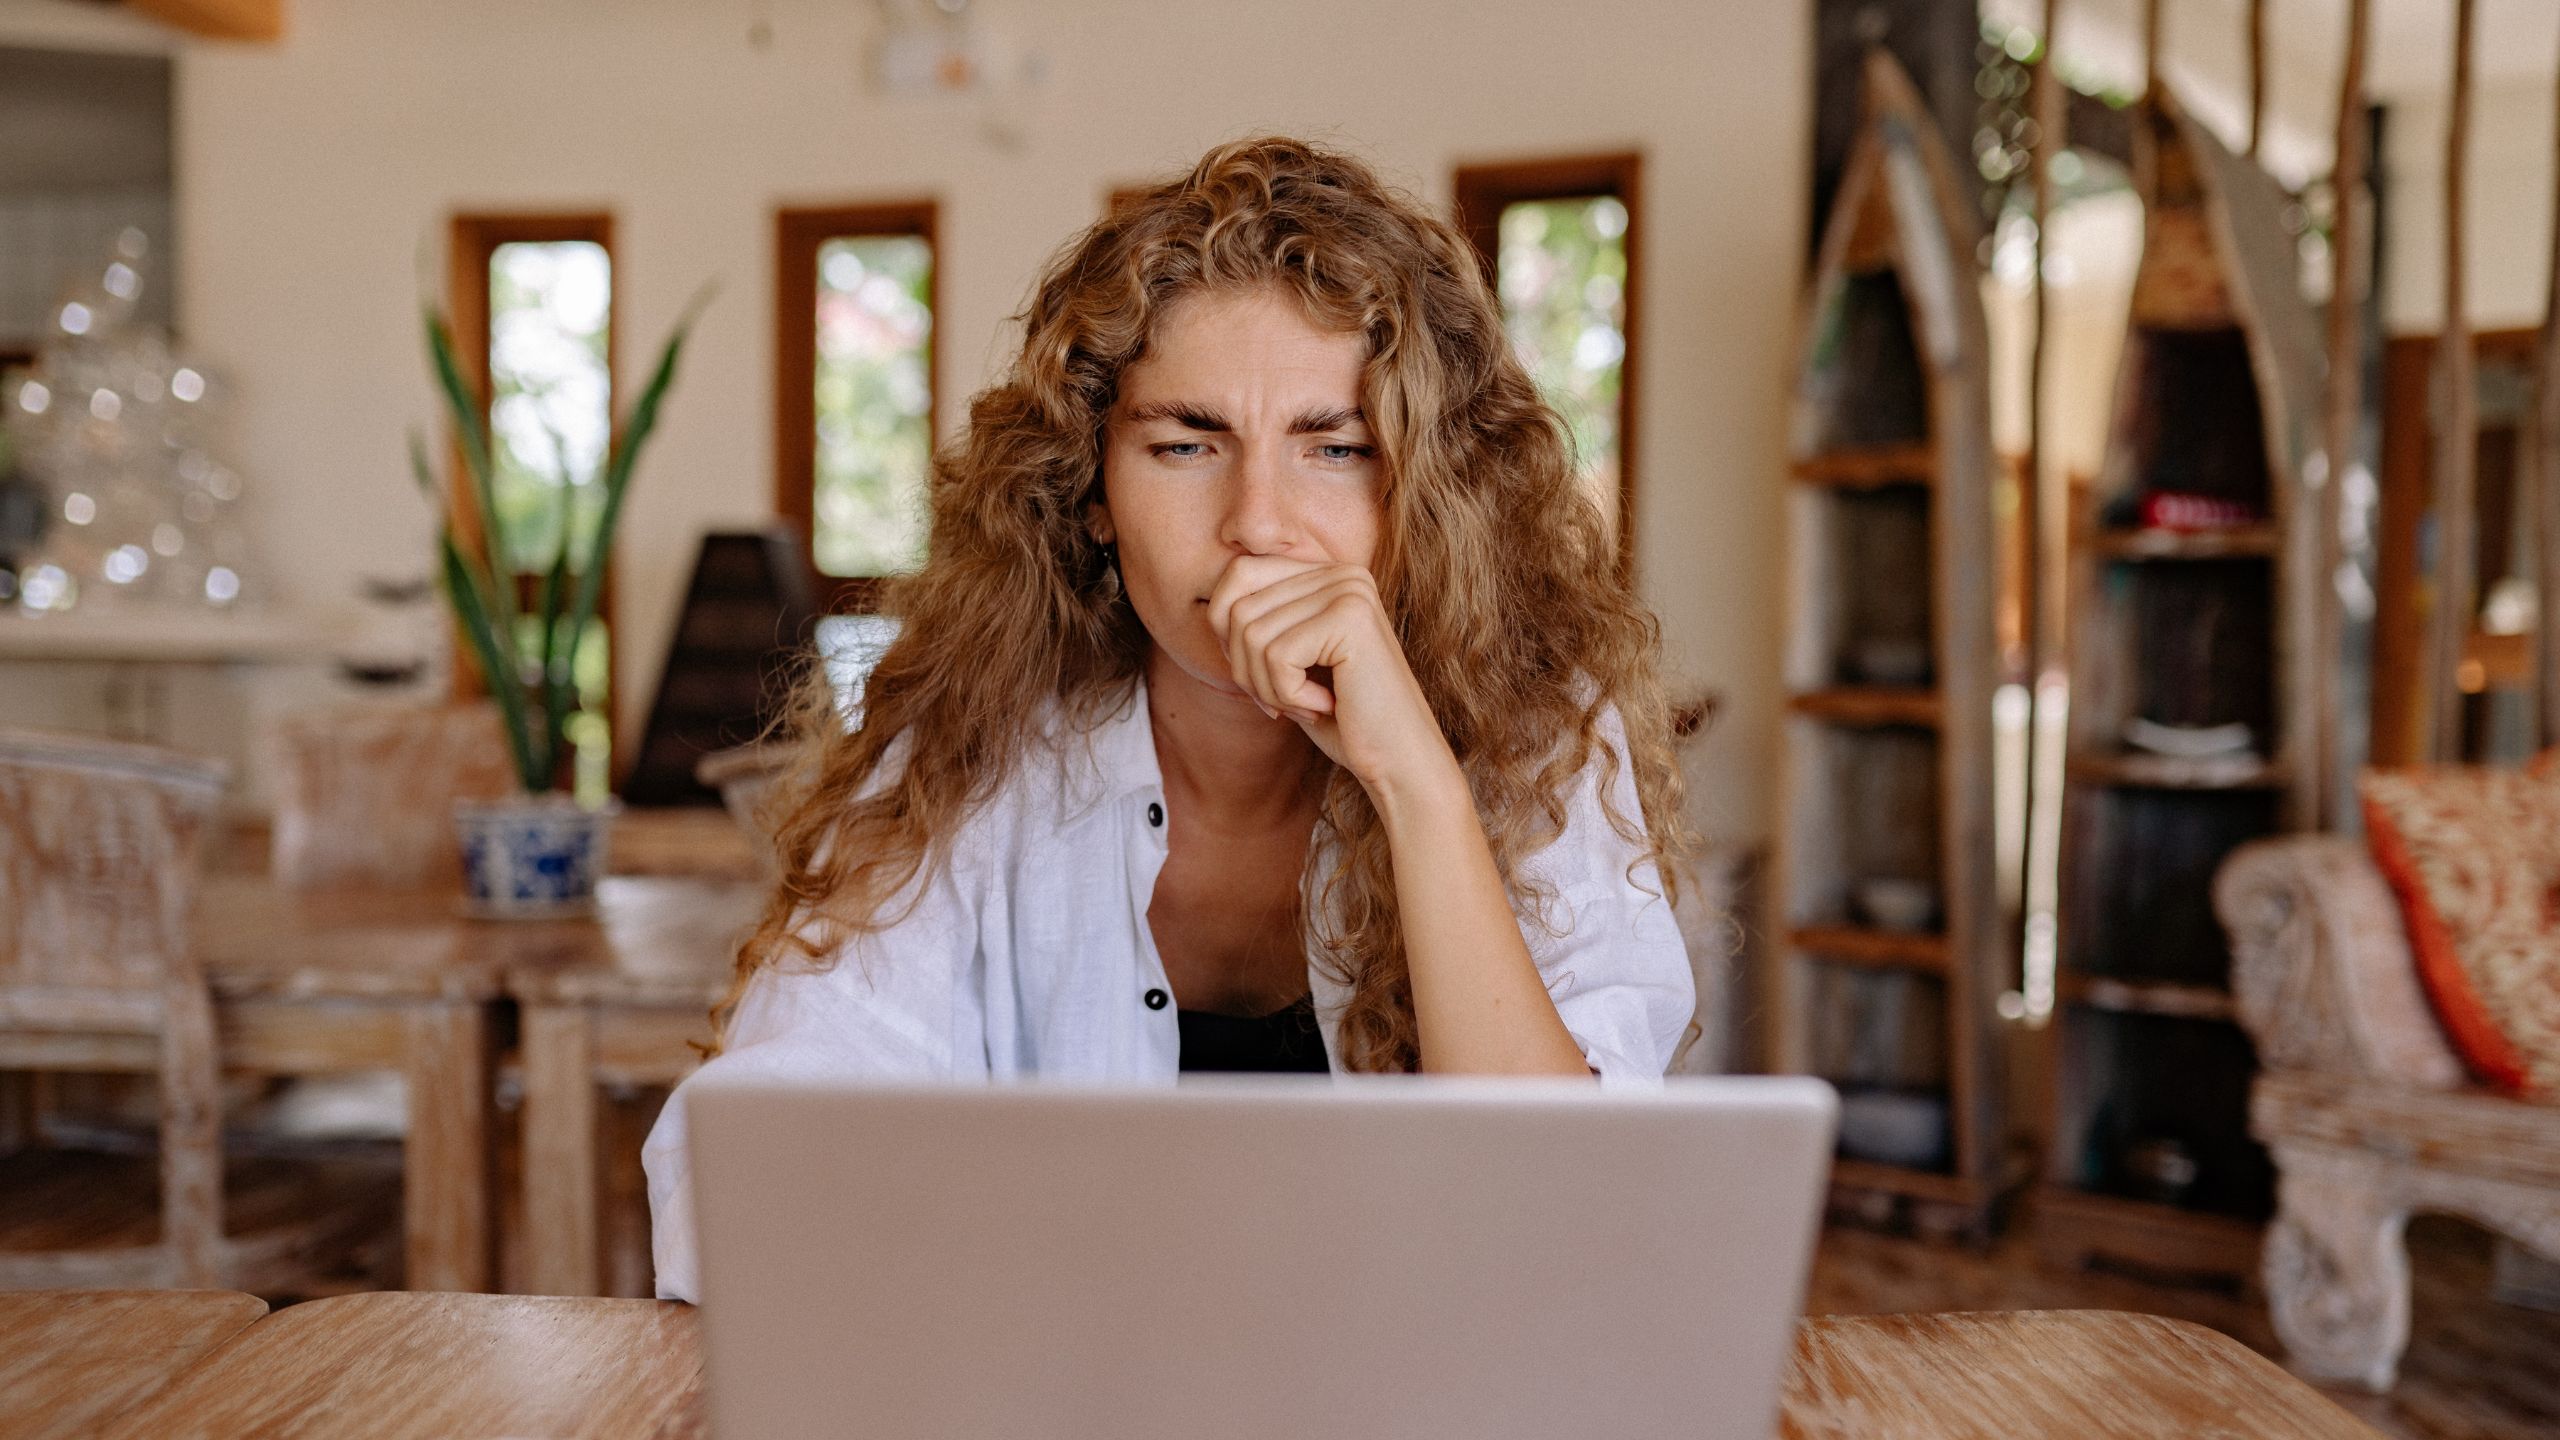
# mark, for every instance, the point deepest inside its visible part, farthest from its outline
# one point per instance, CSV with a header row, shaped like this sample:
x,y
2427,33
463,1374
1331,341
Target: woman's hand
x,y
1313,642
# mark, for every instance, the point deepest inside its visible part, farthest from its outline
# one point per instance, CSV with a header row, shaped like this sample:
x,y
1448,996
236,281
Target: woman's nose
x,y
1259,520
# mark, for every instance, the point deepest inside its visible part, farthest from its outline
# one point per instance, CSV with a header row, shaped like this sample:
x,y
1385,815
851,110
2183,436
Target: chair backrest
x,y
364,793
101,844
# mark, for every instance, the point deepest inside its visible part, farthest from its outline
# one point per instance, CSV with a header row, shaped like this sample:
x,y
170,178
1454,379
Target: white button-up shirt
x,y
1028,955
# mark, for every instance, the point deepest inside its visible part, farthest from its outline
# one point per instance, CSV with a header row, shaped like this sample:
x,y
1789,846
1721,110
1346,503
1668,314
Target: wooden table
x,y
69,1361
322,982
2007,1375
397,1365
612,1003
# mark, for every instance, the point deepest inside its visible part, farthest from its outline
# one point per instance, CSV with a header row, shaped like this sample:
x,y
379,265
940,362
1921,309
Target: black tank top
x,y
1285,1041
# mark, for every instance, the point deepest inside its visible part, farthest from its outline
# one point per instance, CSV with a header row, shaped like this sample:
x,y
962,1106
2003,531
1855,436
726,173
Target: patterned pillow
x,y
2474,856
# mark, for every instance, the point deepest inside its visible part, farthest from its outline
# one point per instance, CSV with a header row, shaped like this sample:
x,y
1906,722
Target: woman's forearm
x,y
1477,996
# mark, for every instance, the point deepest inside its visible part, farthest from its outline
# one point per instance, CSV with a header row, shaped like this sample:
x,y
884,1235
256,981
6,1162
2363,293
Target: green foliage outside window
x,y
1562,272
550,426
874,403
550,391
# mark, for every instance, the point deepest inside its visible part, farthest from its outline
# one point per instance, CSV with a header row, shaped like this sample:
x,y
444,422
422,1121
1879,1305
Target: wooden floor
x,y
2475,1370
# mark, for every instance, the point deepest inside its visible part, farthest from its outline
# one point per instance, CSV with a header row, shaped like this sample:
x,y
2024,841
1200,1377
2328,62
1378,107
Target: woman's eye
x,y
1342,454
1181,450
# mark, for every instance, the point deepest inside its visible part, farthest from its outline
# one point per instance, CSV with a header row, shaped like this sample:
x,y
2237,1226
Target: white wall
x,y
2507,240
315,177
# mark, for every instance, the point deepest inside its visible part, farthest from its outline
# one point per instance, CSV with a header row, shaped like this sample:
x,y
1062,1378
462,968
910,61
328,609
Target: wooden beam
x,y
2457,414
2150,48
2257,75
2053,117
2542,475
2346,370
218,19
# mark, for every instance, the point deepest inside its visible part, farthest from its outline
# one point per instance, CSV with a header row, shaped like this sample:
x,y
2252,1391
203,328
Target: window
x,y
855,296
532,307
1558,241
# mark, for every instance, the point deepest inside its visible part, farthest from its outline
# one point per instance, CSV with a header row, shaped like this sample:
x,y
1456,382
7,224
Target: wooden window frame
x,y
472,242
2406,473
1483,191
798,234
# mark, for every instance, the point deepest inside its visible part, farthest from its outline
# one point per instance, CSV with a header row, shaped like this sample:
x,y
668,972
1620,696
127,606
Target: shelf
x,y
2182,1001
1871,948
1867,466
2073,1226
169,634
1895,596
2137,771
1847,1174
2259,541
1870,705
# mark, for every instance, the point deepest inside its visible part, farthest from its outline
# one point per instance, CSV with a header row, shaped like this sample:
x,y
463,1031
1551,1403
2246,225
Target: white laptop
x,y
1256,1259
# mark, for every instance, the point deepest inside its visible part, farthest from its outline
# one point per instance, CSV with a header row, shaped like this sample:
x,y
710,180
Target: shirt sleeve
x,y
897,1004
1609,949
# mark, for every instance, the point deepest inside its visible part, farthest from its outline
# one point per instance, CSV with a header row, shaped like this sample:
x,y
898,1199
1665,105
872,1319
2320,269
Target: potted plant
x,y
539,853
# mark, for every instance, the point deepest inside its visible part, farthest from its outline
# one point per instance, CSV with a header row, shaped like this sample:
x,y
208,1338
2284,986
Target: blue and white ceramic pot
x,y
532,857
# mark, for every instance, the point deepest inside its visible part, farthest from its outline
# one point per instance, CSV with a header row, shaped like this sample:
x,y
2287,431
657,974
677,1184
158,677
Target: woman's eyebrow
x,y
1182,412
1317,422
1192,415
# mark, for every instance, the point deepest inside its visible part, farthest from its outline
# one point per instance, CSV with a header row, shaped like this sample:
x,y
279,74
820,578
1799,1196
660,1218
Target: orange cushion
x,y
2474,855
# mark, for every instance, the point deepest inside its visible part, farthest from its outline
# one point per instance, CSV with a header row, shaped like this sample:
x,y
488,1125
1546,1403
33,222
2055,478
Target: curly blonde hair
x,y
1496,568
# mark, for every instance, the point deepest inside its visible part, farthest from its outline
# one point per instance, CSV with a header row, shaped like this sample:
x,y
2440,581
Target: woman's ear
x,y
1097,523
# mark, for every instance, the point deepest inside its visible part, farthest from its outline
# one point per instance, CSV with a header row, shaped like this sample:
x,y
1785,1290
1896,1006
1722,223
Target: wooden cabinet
x,y
1891,947
2196,715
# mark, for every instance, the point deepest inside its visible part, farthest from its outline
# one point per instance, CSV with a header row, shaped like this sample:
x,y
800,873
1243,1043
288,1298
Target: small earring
x,y
1110,582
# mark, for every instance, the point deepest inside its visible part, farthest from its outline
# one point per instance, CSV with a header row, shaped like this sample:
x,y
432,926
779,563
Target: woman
x,y
1270,700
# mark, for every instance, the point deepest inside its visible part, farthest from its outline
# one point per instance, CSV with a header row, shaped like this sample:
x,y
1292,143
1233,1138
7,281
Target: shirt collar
x,y
1124,745
1121,749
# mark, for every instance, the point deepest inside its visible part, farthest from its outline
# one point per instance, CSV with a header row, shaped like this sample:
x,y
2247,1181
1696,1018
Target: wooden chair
x,y
100,853
364,792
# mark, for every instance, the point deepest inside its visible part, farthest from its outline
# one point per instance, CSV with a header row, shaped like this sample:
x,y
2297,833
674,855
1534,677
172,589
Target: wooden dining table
x,y
337,981
70,1361
621,1001
319,982
396,1365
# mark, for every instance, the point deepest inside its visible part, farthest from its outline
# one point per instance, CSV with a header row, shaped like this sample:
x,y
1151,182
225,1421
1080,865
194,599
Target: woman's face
x,y
1238,433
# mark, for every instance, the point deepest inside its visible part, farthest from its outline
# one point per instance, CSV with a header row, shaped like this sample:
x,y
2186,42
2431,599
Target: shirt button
x,y
1157,999
1155,813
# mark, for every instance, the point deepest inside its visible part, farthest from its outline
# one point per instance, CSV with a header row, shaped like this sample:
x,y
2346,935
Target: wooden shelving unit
x,y
2151,1162
1891,669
